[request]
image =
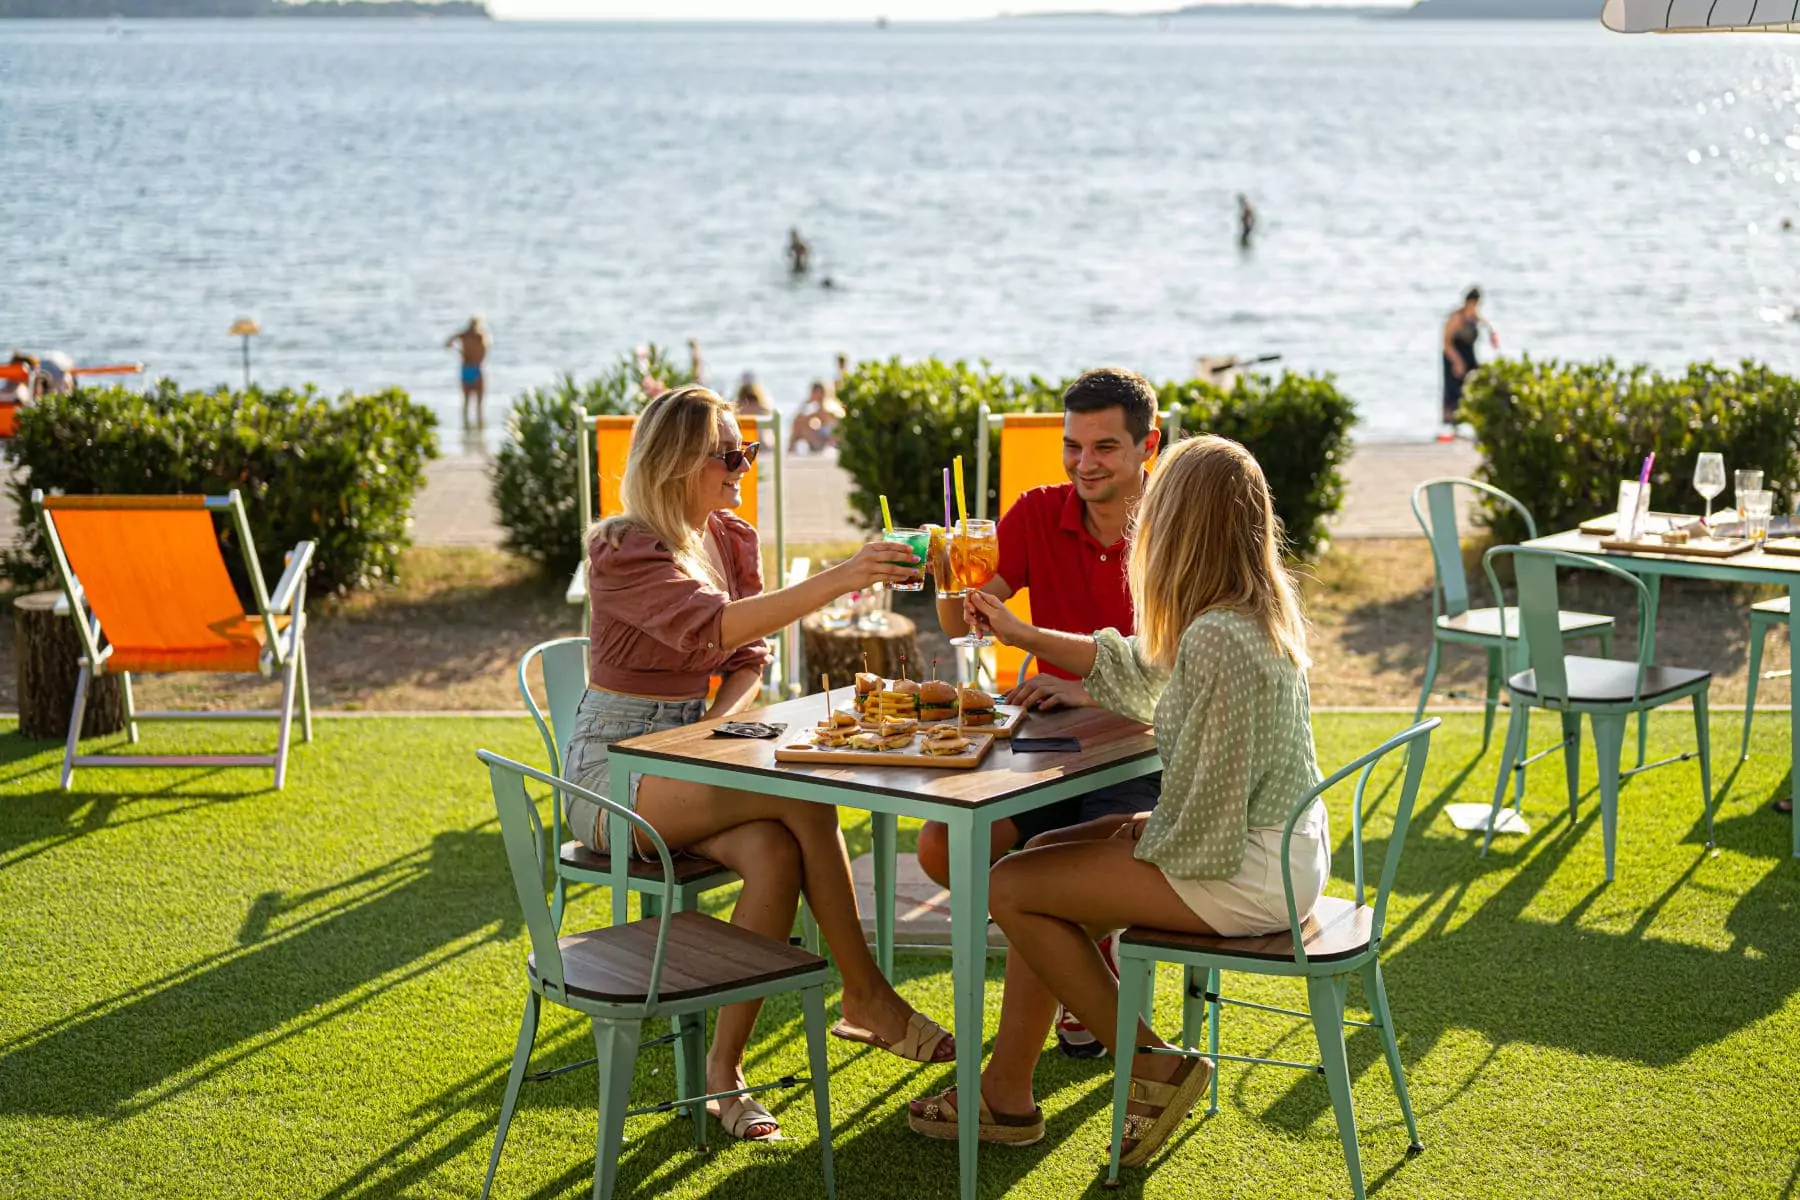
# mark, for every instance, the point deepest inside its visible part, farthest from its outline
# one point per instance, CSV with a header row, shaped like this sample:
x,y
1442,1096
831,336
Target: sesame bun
x,y
937,694
907,687
973,700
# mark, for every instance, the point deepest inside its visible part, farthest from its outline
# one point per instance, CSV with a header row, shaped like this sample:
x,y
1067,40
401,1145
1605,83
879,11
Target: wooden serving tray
x,y
1693,548
1782,545
801,750
1608,523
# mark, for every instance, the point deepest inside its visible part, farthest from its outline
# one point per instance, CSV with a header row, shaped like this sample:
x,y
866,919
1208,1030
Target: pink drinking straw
x,y
1644,475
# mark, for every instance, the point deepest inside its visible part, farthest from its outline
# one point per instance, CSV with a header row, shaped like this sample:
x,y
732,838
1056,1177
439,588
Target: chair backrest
x,y
1540,641
564,662
612,446
1434,507
1030,457
527,853
1417,742
150,570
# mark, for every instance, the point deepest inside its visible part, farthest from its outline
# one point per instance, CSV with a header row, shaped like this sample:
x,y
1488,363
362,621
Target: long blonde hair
x,y
675,434
1206,536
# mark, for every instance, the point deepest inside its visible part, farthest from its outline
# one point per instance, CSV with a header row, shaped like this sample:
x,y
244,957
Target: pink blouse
x,y
656,630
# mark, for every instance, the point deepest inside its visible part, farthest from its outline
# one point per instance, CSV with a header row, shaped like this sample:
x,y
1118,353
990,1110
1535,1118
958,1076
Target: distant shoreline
x,y
152,10
1429,10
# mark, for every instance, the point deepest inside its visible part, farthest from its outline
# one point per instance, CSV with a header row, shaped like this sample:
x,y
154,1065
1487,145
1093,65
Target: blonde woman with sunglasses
x,y
676,586
1219,665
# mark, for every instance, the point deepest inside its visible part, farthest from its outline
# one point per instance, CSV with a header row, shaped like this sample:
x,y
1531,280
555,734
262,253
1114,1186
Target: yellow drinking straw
x,y
962,508
887,518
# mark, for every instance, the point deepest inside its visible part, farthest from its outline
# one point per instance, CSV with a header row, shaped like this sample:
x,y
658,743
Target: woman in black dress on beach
x,y
1460,333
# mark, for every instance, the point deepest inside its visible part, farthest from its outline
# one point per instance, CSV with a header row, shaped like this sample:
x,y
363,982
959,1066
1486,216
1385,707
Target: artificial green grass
x,y
212,989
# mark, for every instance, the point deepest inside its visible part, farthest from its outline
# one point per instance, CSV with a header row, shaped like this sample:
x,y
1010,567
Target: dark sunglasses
x,y
737,460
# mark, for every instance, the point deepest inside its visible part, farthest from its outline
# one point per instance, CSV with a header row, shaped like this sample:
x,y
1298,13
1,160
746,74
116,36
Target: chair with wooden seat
x,y
1607,691
1031,447
602,448
1340,940
1452,620
1764,616
675,966
145,580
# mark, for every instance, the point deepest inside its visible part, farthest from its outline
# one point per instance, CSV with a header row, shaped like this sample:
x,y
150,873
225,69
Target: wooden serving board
x,y
1693,548
801,750
1006,719
1606,524
1783,545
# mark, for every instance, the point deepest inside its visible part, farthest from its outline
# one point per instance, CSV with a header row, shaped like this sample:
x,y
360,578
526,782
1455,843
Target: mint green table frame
x,y
1754,566
968,802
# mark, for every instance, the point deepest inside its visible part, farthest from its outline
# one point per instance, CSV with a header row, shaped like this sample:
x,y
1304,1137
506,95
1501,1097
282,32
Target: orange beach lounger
x,y
146,581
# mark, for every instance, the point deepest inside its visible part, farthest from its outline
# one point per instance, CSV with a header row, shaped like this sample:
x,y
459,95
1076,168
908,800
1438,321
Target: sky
x,y
819,10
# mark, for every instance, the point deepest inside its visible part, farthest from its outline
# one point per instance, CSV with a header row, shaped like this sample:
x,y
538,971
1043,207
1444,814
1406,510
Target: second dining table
x,y
968,801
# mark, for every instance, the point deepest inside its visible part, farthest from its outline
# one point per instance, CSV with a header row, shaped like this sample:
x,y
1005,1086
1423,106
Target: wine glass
x,y
974,559
1709,479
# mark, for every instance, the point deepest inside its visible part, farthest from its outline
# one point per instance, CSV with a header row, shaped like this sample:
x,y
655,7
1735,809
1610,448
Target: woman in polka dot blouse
x,y
1219,665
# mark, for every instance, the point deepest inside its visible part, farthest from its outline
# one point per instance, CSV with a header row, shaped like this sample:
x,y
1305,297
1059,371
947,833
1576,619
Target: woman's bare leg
x,y
1046,900
686,813
768,859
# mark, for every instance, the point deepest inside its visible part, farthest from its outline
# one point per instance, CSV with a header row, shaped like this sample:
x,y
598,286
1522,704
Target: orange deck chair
x,y
146,582
9,409
1030,457
606,456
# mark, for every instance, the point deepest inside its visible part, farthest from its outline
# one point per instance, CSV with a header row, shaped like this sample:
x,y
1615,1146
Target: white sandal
x,y
740,1114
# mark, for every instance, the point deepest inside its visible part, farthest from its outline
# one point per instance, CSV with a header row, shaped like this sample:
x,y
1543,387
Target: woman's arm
x,y
758,616
737,691
1073,652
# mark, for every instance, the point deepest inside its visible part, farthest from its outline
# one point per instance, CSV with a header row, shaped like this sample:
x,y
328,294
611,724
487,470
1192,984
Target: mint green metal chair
x,y
620,976
1606,690
1340,940
1452,620
1763,617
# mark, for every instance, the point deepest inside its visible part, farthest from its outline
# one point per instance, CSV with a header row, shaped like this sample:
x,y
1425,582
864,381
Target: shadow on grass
x,y
391,923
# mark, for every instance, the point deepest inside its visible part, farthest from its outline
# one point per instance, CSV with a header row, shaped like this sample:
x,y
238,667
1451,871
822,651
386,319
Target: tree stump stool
x,y
839,652
49,655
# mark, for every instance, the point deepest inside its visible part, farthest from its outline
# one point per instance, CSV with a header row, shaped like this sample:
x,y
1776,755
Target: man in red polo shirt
x,y
1066,543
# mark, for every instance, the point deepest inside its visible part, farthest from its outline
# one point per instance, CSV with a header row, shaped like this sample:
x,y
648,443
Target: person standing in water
x,y
1461,331
799,253
472,343
1246,222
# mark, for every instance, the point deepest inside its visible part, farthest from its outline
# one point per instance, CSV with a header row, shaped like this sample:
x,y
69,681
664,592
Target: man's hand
x,y
1048,692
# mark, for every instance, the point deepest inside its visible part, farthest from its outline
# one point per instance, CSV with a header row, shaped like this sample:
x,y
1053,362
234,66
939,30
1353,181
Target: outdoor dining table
x,y
968,801
1752,566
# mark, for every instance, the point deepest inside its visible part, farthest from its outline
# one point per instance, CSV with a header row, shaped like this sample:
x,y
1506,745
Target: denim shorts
x,y
602,719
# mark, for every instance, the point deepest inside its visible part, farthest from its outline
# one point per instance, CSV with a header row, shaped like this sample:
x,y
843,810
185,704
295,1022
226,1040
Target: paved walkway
x,y
454,509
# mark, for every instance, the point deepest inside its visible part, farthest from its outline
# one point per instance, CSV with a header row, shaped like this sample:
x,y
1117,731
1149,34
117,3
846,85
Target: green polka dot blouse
x,y
1234,729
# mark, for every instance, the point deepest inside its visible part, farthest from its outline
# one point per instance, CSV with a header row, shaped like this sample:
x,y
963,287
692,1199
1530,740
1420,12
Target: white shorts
x,y
1253,902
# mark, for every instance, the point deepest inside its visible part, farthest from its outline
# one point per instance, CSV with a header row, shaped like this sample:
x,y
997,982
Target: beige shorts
x,y
1253,902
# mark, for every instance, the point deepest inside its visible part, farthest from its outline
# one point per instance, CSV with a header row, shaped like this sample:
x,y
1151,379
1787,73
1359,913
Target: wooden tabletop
x,y
1106,739
1576,542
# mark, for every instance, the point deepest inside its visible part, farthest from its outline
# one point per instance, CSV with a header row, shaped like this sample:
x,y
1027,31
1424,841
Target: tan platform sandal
x,y
740,1114
935,1117
923,1040
1145,1133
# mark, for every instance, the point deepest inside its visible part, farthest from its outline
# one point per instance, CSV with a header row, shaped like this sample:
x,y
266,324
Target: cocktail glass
x,y
974,559
919,542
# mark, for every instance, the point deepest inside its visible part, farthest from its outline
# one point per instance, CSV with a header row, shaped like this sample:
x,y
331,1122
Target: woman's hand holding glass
x,y
879,562
996,617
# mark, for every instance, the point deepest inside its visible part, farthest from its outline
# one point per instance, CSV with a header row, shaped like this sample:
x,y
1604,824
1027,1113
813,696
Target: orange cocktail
x,y
974,559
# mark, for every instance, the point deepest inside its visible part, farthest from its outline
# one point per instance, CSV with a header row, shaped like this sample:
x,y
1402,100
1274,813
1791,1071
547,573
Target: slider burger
x,y
898,734
864,741
937,701
867,685
977,707
836,731
944,740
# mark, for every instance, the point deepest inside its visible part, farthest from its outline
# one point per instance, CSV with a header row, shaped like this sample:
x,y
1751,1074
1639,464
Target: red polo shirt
x,y
1077,585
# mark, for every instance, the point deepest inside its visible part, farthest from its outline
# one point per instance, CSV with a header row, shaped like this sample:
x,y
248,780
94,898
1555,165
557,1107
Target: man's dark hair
x,y
1115,387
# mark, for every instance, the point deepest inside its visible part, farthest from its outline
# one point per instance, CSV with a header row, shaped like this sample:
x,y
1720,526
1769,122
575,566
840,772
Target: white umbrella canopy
x,y
1702,16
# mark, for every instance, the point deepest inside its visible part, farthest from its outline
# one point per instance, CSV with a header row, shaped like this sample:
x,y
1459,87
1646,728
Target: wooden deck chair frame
x,y
785,668
1013,483
283,649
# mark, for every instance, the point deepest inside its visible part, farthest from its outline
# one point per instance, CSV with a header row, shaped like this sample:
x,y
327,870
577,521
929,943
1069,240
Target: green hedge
x,y
905,421
534,485
342,472
1560,436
